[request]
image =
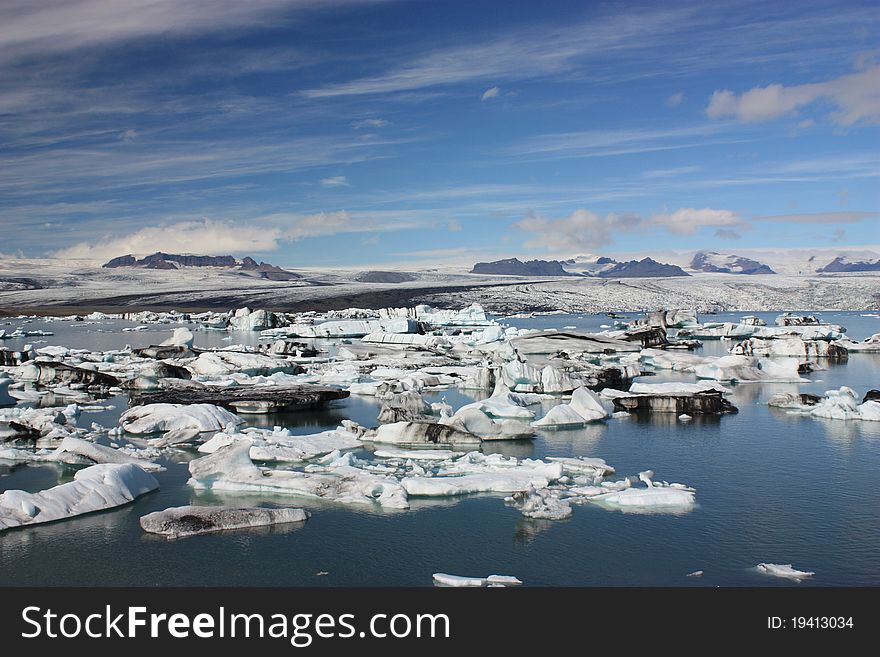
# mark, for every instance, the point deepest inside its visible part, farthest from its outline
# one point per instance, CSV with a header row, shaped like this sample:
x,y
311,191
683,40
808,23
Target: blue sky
x,y
315,133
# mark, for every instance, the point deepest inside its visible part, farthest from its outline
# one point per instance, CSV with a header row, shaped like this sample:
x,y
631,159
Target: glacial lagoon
x,y
771,487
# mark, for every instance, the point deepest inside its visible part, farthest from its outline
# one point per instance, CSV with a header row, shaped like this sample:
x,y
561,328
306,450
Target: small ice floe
x,y
542,504
182,521
415,454
442,579
655,498
696,573
278,444
95,488
783,570
76,451
684,417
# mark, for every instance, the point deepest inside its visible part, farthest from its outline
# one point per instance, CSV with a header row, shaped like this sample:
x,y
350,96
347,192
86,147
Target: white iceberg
x,y
231,469
95,488
783,570
585,407
443,579
157,418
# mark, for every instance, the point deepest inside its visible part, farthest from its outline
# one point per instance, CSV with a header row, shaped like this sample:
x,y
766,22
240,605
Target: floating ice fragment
x,y
783,570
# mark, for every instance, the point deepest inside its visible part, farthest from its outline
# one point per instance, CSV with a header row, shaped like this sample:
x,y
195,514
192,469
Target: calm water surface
x,y
770,487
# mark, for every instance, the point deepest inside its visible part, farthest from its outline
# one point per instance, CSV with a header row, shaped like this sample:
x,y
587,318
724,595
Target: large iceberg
x,y
95,488
158,418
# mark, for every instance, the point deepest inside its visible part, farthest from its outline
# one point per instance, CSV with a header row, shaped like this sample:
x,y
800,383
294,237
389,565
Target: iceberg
x,y
230,469
95,488
157,418
416,434
791,346
77,451
783,570
183,521
585,407
442,579
278,445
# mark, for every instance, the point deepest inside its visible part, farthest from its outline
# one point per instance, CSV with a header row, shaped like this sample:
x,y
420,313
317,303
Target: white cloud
x,y
856,97
454,226
371,241
335,181
687,221
205,237
369,123
675,99
580,230
584,230
491,92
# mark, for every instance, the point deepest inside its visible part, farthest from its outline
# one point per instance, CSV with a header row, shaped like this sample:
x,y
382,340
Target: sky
x,y
337,132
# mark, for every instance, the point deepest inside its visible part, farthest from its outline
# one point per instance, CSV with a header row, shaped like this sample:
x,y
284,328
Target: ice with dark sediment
x,y
183,521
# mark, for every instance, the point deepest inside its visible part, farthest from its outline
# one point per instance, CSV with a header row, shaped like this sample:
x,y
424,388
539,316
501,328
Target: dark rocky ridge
x,y
645,268
840,264
515,267
160,260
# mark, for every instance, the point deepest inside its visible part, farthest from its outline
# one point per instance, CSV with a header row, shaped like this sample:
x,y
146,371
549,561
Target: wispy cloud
x,y
675,99
491,92
820,217
518,54
334,181
56,26
369,123
856,97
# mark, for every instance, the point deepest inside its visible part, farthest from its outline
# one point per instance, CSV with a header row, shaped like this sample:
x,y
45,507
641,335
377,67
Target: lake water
x,y
771,487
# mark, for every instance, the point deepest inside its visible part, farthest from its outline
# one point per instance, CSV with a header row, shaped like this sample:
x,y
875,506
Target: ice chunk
x,y
156,418
542,504
480,473
415,454
77,451
220,363
783,570
95,488
182,337
185,521
442,579
231,469
423,433
279,445
585,407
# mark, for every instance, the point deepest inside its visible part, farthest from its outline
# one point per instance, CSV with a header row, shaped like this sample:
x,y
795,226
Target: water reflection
x,y
528,529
